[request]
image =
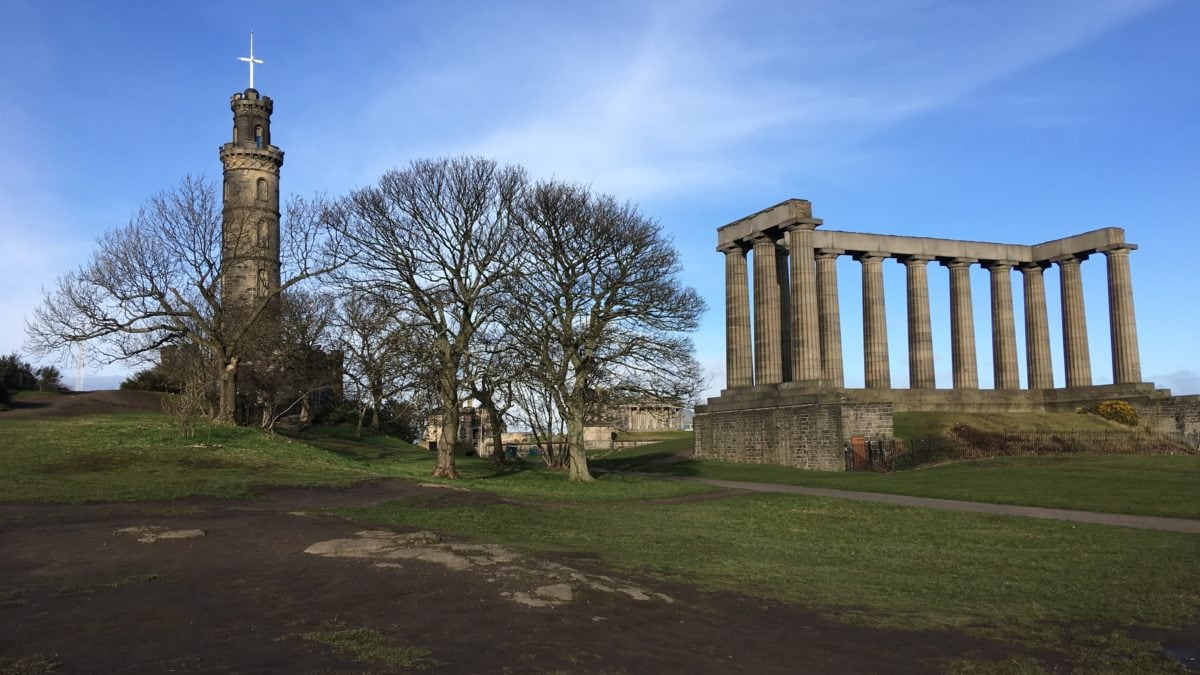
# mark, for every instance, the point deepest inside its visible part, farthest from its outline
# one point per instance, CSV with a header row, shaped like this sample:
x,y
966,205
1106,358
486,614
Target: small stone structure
x,y
785,401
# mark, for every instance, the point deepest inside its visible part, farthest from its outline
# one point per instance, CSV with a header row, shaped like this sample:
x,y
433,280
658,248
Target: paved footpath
x,y
1186,525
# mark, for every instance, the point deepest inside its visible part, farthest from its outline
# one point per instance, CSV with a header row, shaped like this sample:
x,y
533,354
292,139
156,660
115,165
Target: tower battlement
x,y
251,97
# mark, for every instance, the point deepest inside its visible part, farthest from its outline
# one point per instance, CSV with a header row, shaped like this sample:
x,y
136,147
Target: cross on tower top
x,y
250,59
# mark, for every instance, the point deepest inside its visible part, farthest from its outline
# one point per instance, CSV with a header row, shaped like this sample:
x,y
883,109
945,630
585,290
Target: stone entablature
x,y
777,219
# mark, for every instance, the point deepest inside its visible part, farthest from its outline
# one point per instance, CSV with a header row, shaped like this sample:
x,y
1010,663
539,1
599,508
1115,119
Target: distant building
x,y
647,416
474,429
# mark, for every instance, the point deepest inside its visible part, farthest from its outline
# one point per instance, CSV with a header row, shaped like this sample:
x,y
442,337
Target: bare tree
x,y
599,311
385,352
298,359
157,281
537,410
440,235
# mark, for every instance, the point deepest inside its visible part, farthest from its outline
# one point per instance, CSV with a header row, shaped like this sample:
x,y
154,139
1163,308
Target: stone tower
x,y
250,219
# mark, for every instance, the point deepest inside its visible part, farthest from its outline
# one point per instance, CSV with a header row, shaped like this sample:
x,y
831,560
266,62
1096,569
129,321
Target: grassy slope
x,y
140,456
910,425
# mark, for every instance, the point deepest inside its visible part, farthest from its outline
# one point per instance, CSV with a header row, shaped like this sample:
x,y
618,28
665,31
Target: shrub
x,y
16,374
153,379
49,379
1118,411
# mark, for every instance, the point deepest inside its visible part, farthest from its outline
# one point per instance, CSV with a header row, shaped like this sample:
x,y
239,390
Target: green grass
x,y
369,646
1152,485
35,395
131,457
526,479
664,435
877,563
661,449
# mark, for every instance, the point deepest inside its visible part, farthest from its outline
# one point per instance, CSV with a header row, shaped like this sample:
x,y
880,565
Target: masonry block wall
x,y
1176,415
804,436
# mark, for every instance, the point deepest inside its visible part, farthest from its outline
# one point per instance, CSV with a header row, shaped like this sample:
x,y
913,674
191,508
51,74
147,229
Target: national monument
x,y
785,400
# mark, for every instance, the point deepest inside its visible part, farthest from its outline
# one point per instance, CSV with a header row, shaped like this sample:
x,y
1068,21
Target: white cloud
x,y
1179,382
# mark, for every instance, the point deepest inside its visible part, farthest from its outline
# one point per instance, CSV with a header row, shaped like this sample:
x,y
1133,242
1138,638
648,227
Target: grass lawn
x,y
141,457
881,563
1152,485
389,457
130,457
1064,587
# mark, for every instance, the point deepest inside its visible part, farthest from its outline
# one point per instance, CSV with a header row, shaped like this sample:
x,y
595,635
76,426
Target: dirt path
x,y
206,585
1185,525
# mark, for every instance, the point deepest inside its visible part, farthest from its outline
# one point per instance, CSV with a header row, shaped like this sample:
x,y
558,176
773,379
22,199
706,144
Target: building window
x,y
258,139
235,134
260,191
260,235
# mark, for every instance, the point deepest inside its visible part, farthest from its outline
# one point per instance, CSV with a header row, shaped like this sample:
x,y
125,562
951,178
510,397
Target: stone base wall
x,y
808,435
1176,415
807,425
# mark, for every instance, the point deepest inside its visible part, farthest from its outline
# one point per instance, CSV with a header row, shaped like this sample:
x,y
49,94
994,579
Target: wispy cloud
x,y
1179,382
691,96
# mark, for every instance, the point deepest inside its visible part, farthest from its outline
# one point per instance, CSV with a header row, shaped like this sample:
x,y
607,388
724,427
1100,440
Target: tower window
x,y
258,137
260,192
235,134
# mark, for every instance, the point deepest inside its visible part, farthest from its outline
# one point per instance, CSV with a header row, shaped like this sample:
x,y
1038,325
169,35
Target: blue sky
x,y
1016,121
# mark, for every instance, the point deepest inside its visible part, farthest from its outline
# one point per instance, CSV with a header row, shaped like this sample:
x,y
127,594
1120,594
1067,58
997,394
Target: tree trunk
x,y
448,436
227,406
497,435
578,470
377,402
306,409
362,412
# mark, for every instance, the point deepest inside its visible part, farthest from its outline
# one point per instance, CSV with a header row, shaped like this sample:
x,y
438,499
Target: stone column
x,y
785,313
1004,330
1127,367
829,317
875,345
738,369
768,351
962,325
1074,322
806,336
1037,328
920,332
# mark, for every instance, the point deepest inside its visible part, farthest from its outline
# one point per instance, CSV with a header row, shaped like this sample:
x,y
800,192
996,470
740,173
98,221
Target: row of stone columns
x,y
797,324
